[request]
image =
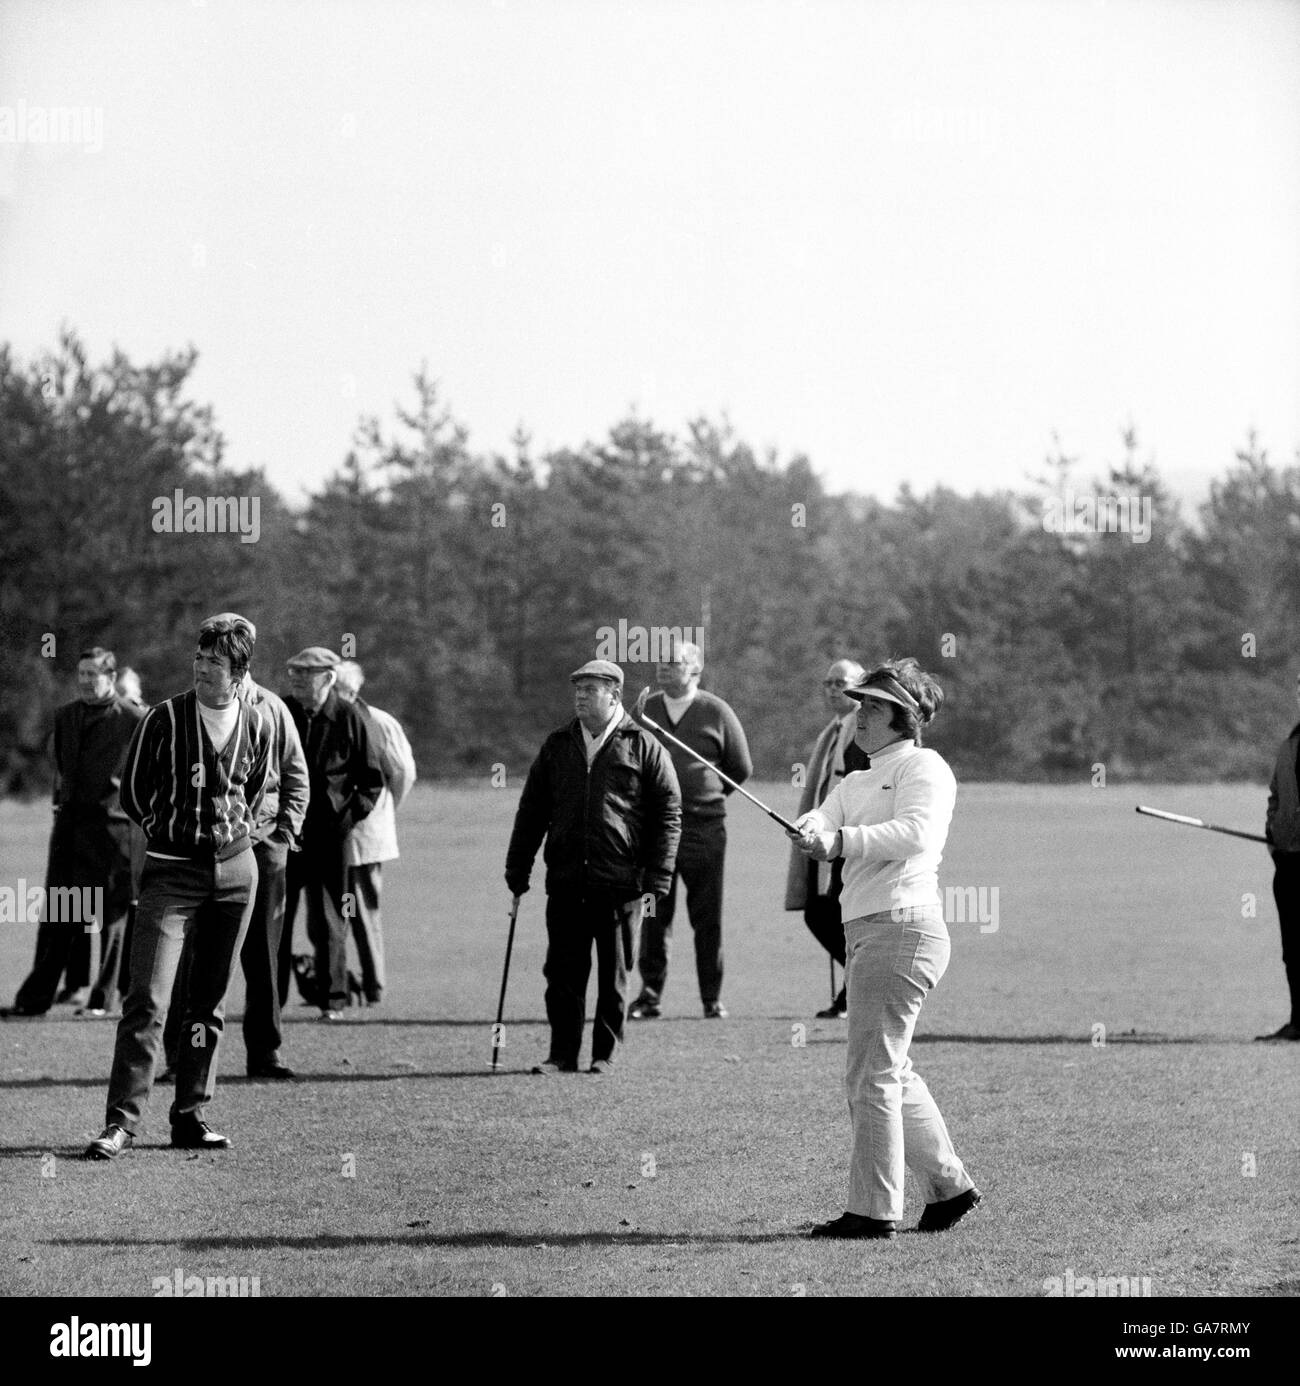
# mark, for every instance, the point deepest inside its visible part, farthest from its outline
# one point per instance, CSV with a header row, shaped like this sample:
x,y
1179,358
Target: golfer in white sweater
x,y
889,823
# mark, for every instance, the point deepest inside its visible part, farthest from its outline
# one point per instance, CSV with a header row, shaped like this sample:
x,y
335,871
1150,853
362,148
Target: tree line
x,y
1077,623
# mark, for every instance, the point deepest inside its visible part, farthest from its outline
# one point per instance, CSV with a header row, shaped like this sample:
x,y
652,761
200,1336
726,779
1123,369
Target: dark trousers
x,y
364,883
574,921
86,850
172,893
258,957
700,858
1286,893
821,913
318,877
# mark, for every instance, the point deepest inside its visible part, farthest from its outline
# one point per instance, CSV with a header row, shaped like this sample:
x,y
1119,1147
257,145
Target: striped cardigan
x,y
190,801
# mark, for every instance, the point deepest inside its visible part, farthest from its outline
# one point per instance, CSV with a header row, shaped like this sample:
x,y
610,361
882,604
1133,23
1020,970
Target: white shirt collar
x,y
594,743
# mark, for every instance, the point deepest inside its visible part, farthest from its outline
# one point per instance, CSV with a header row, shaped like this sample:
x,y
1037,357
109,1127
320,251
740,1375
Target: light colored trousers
x,y
894,958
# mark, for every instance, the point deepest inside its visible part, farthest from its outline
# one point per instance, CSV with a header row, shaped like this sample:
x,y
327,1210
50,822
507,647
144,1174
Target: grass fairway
x,y
1161,1147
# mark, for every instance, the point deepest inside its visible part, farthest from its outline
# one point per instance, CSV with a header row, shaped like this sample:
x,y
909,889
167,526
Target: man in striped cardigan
x,y
195,773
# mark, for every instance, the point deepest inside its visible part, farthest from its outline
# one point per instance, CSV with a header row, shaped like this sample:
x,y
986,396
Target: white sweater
x,y
895,820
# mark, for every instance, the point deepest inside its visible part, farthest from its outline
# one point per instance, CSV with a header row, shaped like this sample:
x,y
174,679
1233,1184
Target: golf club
x,y
1199,823
637,711
834,993
505,975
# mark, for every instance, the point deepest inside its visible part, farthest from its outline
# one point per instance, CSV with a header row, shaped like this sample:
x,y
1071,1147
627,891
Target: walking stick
x,y
498,1028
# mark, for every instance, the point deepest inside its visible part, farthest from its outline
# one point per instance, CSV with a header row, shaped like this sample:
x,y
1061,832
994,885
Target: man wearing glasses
x,y
814,886
346,782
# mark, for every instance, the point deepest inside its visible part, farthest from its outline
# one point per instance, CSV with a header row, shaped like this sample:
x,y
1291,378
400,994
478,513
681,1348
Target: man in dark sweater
x,y
90,845
707,725
603,794
1282,828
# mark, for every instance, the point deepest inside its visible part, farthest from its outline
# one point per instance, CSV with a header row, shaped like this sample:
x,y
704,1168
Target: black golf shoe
x,y
939,1217
837,1010
854,1226
274,1069
189,1133
109,1145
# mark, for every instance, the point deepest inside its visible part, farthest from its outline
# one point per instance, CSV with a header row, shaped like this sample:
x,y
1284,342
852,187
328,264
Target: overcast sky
x,y
910,240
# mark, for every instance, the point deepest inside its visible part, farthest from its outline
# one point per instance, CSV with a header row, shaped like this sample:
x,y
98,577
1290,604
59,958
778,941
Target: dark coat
x,y
89,746
1282,825
614,827
342,766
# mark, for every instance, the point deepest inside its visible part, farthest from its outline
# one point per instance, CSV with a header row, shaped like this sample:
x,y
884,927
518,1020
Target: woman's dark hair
x,y
908,675
230,640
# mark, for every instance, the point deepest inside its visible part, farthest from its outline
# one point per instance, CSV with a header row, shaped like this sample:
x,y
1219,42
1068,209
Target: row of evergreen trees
x,y
472,584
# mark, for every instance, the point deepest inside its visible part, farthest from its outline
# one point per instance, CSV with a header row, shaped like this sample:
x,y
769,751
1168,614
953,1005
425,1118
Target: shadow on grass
x,y
820,1035
1112,1037
237,1080
27,1083
1084,1041
328,1242
403,1022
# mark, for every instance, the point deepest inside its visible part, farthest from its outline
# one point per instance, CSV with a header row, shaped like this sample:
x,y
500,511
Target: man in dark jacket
x,y
90,845
346,781
604,795
1282,828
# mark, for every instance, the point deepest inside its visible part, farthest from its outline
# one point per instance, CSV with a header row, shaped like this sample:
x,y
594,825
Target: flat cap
x,y
315,657
598,669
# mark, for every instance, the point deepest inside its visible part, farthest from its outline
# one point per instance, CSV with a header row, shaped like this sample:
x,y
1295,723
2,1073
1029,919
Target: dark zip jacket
x,y
613,827
1282,826
342,768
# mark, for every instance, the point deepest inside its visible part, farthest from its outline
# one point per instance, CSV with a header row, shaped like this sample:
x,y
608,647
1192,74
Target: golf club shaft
x,y
726,779
1199,823
505,976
